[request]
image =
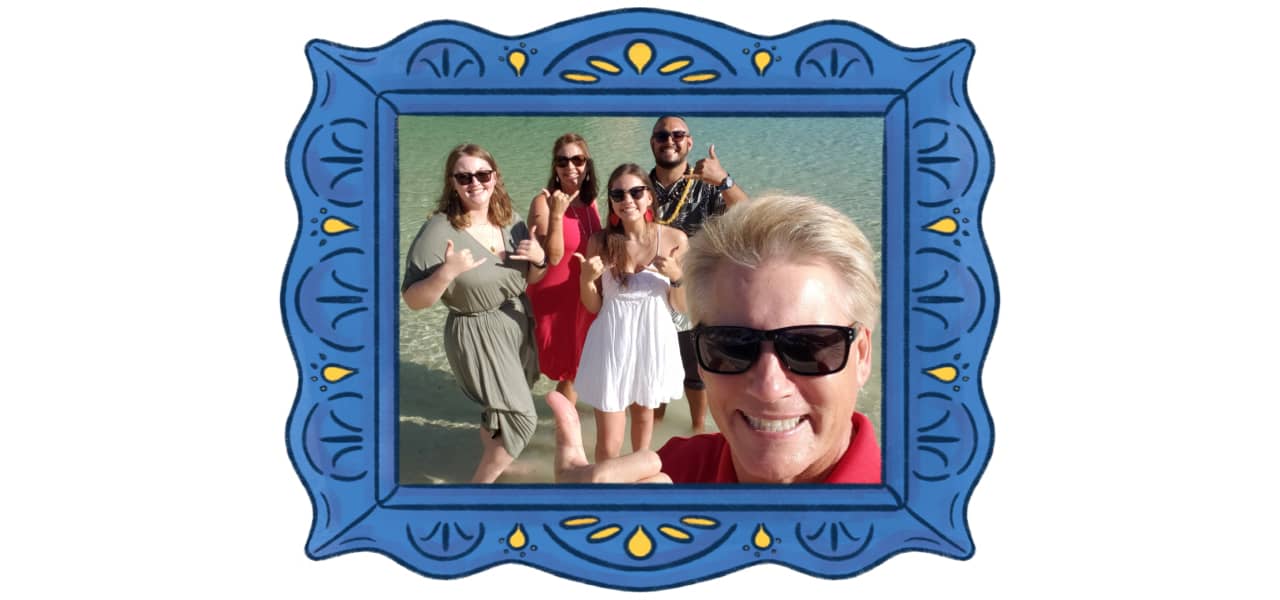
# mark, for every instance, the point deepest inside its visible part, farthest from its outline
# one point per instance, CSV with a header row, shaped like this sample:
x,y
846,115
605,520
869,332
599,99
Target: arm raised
x,y
546,213
571,459
711,171
423,293
589,278
531,252
667,262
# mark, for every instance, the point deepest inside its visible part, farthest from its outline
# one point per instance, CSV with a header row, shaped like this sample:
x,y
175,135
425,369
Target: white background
x,y
147,221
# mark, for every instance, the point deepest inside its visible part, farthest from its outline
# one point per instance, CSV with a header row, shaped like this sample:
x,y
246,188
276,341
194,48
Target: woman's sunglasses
x,y
662,136
635,192
804,349
578,161
465,178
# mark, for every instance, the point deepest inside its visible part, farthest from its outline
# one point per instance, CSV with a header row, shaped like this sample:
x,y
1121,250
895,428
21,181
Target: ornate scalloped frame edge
x,y
339,299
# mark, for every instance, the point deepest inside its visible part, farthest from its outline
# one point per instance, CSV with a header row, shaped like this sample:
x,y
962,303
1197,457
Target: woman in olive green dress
x,y
477,257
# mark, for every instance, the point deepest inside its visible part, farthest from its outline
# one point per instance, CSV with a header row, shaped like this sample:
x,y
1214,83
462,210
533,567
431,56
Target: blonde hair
x,y
787,228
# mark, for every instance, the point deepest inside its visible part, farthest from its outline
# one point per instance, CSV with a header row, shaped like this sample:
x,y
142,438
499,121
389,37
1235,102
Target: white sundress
x,y
632,354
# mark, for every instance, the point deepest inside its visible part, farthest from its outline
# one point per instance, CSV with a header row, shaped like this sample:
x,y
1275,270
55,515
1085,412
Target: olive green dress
x,y
488,335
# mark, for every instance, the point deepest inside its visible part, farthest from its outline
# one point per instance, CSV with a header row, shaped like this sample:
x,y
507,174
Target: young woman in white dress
x,y
630,278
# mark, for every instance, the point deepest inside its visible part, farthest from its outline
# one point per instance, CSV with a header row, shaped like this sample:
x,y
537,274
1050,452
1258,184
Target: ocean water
x,y
835,159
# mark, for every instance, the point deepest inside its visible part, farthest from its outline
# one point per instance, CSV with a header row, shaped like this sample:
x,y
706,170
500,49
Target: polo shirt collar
x,y
856,466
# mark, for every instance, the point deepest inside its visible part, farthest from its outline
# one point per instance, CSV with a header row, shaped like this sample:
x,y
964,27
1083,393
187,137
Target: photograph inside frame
x,y
836,160
359,435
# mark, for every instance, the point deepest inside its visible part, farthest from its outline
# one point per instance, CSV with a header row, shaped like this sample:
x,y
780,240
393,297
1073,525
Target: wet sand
x,y
439,427
440,431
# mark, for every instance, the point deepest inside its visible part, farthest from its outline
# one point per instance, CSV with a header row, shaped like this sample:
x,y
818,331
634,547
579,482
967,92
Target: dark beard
x,y
671,164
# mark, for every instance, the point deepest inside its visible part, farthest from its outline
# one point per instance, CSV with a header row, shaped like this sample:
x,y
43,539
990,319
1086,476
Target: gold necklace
x,y
683,195
498,234
489,236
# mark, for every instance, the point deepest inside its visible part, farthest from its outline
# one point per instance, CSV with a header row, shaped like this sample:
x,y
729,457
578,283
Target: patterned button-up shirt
x,y
703,201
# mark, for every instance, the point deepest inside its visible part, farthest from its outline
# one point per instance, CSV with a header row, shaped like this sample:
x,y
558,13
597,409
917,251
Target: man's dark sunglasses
x,y
662,136
465,178
803,349
578,161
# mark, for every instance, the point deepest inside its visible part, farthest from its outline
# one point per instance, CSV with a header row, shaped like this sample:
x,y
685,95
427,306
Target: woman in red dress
x,y
564,215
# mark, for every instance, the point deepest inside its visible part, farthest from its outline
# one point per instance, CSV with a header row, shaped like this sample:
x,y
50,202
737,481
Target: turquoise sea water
x,y
835,159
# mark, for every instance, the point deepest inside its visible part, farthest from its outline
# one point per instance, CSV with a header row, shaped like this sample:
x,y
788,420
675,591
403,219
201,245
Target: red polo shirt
x,y
706,459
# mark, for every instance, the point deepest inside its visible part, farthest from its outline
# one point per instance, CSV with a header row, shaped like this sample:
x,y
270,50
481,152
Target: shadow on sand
x,y
440,431
439,427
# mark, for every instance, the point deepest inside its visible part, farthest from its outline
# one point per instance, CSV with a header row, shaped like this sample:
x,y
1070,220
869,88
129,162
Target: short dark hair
x,y
660,119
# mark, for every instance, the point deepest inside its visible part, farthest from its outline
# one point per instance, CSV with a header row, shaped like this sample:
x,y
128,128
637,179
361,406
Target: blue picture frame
x,y
340,295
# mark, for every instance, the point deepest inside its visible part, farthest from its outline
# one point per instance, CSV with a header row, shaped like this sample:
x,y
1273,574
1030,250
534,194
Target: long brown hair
x,y
589,187
615,237
450,204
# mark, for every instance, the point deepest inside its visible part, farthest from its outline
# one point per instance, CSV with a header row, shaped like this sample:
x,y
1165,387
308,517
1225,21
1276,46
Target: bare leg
x,y
659,412
698,409
565,387
610,428
494,461
641,427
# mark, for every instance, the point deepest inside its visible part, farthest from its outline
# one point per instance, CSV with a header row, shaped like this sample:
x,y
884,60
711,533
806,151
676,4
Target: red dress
x,y
561,321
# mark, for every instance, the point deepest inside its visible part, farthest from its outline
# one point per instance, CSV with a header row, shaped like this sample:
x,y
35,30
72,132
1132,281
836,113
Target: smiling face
x,y
670,153
475,194
571,175
628,208
782,427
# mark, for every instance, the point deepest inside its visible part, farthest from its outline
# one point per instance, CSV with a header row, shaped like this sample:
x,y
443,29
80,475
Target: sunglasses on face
x,y
635,192
578,161
465,178
662,136
803,349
